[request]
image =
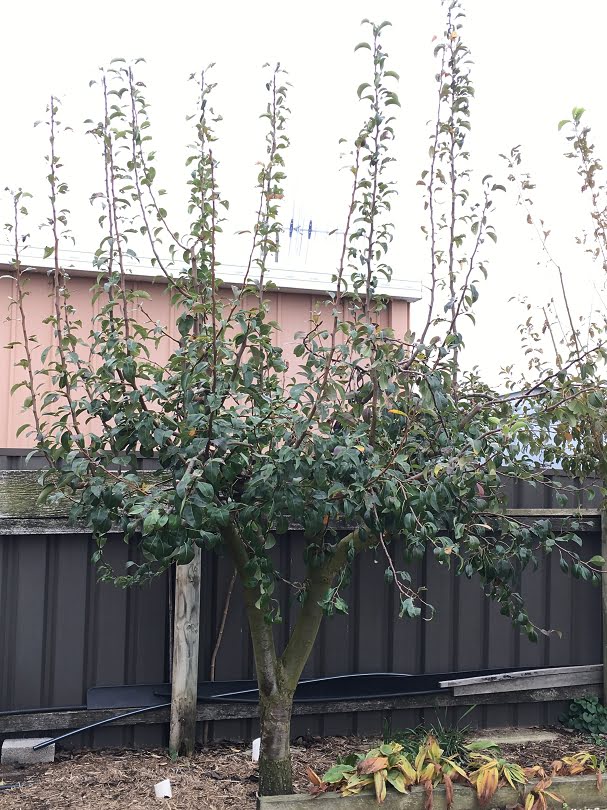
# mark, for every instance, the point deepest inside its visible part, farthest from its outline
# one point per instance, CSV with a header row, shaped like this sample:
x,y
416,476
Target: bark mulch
x,y
218,777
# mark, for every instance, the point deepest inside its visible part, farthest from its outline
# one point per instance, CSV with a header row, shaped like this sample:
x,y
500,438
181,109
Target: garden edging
x,y
578,792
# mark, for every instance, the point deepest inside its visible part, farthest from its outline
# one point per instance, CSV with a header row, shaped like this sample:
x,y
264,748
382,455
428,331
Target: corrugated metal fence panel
x,y
62,631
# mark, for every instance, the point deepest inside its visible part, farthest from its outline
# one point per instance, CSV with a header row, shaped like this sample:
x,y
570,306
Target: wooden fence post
x,y
604,599
186,636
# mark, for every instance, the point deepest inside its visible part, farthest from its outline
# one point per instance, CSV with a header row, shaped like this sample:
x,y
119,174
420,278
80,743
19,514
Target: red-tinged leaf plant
x,y
387,766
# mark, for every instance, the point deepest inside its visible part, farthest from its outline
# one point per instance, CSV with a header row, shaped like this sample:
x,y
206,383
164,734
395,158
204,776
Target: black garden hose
x,y
99,723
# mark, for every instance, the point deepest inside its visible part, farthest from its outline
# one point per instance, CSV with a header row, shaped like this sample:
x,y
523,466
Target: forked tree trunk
x,y
185,657
275,771
277,677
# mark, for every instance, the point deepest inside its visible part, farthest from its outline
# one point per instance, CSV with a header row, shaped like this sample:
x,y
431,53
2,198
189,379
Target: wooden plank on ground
x,y
60,720
507,677
543,682
528,679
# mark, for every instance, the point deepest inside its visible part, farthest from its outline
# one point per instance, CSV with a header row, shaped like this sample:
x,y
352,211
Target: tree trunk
x,y
278,677
186,636
275,772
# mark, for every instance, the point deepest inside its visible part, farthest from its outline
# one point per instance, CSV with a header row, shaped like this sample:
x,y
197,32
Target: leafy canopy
x,y
376,439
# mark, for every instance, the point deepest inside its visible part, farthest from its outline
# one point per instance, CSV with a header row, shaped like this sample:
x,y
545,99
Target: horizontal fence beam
x,y
22,527
19,491
590,521
75,718
21,514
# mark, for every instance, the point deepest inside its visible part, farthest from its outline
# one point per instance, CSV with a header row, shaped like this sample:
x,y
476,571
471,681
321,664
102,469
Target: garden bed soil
x,y
218,777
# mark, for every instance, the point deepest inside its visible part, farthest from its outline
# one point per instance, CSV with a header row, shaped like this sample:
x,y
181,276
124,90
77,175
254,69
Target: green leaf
x,y
481,745
45,492
150,522
341,605
182,485
206,490
396,778
337,773
297,390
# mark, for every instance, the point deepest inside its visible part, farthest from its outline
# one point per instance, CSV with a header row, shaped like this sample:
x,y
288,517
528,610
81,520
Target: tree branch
x,y
308,622
264,649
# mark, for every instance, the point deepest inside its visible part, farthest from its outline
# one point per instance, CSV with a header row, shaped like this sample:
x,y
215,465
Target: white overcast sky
x,y
535,60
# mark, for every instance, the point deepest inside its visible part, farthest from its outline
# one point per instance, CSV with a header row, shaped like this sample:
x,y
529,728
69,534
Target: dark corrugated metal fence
x,y
62,632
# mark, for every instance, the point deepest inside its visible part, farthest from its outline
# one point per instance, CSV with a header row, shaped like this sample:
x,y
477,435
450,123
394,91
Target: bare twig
x,y
222,624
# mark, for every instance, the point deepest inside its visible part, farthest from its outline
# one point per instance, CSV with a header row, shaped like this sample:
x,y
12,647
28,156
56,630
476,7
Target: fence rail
x,y
63,632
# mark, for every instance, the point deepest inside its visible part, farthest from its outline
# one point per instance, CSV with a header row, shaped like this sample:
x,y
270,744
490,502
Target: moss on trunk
x,y
275,777
275,771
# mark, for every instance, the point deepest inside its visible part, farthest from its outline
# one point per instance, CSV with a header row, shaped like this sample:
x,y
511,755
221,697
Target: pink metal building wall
x,y
292,309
